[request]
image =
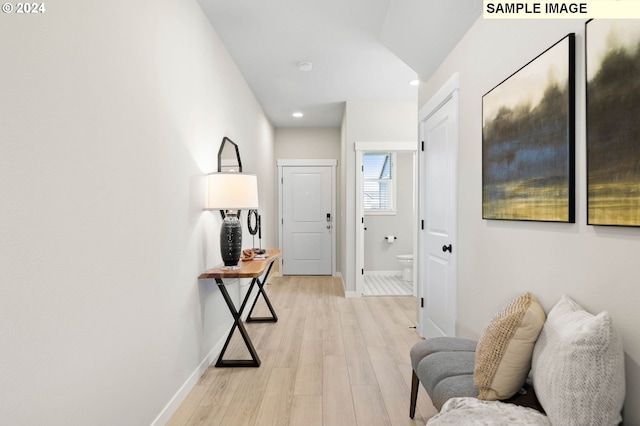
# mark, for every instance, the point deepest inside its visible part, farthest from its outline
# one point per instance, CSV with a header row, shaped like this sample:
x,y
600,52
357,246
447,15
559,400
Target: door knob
x,y
447,248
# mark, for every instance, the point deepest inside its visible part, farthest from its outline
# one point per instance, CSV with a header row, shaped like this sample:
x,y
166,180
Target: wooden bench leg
x,y
415,384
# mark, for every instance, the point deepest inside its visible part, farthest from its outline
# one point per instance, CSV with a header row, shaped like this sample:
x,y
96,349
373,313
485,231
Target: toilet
x,y
406,262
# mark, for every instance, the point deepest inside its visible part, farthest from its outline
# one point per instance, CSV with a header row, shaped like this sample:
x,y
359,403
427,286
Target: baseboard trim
x,y
348,294
179,397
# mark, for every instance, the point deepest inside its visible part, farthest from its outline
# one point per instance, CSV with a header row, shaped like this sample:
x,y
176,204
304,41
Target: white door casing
x,y
437,246
307,216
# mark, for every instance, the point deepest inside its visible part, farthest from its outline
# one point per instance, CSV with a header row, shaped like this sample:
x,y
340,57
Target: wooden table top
x,y
248,268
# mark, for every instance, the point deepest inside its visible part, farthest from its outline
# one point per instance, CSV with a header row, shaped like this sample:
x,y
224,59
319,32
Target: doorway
x,y
437,247
386,217
306,204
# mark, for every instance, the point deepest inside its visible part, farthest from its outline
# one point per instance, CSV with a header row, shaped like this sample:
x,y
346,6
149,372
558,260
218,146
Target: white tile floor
x,y
386,285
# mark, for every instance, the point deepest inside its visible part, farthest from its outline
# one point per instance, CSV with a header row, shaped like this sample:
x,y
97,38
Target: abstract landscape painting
x,y
613,122
528,134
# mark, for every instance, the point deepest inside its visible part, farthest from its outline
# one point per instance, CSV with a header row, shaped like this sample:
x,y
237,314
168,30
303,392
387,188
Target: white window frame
x,y
392,211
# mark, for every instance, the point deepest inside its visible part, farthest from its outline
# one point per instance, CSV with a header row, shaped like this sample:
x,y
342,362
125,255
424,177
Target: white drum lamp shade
x,y
231,192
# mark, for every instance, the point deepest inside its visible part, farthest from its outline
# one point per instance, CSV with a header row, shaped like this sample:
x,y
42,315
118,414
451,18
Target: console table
x,y
248,269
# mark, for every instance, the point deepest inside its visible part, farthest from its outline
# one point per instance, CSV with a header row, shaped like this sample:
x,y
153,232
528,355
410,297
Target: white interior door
x,y
307,220
438,195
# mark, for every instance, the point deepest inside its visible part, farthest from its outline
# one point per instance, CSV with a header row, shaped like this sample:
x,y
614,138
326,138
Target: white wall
x,y
111,112
498,260
318,143
367,121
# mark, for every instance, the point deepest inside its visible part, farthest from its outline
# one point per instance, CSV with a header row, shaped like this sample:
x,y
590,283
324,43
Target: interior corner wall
x,y
111,114
368,121
341,256
498,260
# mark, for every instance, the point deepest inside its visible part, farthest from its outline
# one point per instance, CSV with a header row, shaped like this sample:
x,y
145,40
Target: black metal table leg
x,y
273,317
237,322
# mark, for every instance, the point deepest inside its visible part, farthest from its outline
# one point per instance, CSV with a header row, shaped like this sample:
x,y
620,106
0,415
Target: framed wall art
x,y
613,122
528,139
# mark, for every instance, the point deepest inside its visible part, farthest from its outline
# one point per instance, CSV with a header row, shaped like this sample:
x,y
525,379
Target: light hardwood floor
x,y
327,361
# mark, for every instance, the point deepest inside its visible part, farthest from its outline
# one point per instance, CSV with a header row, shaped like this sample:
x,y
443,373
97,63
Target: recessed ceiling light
x,y
414,83
298,114
305,66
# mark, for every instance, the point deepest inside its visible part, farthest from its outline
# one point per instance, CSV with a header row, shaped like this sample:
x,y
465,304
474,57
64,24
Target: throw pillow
x,y
503,355
578,367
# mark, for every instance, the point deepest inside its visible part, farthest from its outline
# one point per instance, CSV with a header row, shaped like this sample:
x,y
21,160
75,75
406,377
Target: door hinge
x,y
363,220
362,272
422,145
422,302
422,224
362,168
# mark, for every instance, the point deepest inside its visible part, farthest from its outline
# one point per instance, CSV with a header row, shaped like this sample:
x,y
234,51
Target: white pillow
x,y
474,412
578,367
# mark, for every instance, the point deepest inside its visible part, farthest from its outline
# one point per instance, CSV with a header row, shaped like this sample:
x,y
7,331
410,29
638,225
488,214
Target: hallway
x,y
327,361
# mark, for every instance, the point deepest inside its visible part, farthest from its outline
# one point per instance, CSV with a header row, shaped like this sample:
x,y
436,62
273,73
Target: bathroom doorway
x,y
386,235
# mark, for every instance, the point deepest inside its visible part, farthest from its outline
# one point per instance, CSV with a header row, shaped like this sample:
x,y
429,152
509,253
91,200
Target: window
x,y
378,181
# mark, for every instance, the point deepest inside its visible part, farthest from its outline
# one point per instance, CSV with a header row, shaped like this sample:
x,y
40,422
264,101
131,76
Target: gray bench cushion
x,y
439,344
444,366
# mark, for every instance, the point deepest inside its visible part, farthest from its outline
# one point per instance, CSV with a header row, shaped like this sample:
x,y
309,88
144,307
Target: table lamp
x,y
231,192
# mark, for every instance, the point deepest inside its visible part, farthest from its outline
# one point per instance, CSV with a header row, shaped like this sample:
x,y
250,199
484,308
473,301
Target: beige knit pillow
x,y
503,355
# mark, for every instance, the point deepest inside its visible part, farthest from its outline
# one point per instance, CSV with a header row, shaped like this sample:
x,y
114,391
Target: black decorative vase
x,y
231,240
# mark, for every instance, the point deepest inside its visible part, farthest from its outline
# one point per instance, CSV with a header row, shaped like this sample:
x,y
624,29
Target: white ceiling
x,y
360,50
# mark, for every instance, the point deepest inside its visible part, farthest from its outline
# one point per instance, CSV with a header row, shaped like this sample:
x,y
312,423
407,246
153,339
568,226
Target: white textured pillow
x,y
578,367
474,412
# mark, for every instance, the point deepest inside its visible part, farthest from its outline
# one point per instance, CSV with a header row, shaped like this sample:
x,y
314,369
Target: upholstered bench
x,y
444,365
570,366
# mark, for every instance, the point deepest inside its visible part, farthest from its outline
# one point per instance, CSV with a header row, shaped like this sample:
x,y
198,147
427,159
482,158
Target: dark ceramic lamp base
x,y
231,241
